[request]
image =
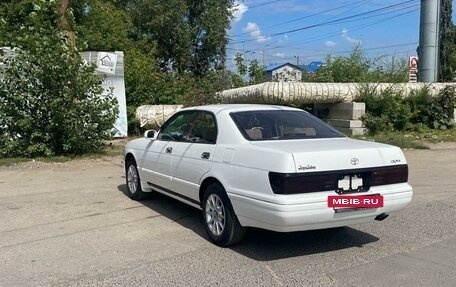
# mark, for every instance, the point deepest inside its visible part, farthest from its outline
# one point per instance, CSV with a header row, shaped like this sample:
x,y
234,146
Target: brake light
x,y
283,183
294,183
389,175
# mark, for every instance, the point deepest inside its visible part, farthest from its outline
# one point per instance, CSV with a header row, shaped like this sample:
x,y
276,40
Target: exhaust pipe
x,y
382,216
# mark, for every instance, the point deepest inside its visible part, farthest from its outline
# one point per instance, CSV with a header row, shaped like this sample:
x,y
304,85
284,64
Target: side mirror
x,y
150,134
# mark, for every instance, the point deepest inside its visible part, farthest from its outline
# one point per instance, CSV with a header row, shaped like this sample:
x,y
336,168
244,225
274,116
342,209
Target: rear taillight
x,y
389,175
294,183
283,183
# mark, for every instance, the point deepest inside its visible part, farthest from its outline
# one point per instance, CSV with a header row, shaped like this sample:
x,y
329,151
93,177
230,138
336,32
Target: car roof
x,y
239,108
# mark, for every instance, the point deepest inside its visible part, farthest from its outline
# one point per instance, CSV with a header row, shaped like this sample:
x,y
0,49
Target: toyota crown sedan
x,y
270,167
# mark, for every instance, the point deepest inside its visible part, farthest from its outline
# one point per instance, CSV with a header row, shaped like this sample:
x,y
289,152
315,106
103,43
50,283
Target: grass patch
x,y
107,151
398,139
436,136
13,160
417,139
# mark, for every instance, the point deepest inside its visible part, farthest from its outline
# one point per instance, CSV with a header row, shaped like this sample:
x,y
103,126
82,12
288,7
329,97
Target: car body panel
x,y
310,155
188,167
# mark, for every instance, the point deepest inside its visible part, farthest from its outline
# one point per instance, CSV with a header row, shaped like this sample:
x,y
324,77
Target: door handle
x,y
169,149
205,155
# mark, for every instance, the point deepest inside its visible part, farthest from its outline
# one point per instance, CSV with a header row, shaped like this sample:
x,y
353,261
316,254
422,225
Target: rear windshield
x,y
282,125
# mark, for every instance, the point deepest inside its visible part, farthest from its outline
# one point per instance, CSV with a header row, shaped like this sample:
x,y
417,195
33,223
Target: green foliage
x,y
104,27
434,112
390,111
386,110
190,35
350,69
50,101
253,69
256,72
14,14
237,79
357,68
240,64
400,139
447,71
173,49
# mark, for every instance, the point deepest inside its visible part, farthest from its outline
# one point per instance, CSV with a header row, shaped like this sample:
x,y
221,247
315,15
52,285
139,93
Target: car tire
x,y
220,221
134,190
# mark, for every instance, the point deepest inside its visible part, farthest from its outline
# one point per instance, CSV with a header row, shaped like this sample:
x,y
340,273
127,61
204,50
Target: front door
x,y
193,158
157,165
182,153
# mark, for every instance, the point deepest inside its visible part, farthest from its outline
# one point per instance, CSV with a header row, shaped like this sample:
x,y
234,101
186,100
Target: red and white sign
x,y
355,201
413,63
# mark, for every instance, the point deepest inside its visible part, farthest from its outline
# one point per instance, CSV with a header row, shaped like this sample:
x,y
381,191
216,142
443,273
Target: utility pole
x,y
428,51
297,60
264,58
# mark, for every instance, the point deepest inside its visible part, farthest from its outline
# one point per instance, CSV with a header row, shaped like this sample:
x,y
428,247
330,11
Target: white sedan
x,y
269,167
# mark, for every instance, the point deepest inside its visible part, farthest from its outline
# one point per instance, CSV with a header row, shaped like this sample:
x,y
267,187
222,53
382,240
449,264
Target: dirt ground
x,y
70,224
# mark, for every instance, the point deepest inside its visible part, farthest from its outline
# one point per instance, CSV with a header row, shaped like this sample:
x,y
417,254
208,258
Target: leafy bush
x,y
357,68
386,110
389,110
50,102
434,112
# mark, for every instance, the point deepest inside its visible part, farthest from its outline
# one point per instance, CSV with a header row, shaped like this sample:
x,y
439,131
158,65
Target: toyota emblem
x,y
354,161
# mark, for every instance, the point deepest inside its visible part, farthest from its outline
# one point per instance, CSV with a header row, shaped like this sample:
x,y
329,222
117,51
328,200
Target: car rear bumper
x,y
311,211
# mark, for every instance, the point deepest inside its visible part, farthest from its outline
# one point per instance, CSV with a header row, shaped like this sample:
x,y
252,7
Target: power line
x,y
308,16
353,28
264,4
339,20
341,52
329,35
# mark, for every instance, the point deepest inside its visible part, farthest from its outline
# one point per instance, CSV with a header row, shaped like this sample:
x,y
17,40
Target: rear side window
x,y
282,125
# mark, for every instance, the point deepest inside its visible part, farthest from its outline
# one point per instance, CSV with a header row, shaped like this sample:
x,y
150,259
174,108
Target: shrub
x,y
389,111
51,102
435,112
386,110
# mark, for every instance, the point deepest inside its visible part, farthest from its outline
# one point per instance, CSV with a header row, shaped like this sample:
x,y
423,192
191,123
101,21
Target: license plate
x,y
355,201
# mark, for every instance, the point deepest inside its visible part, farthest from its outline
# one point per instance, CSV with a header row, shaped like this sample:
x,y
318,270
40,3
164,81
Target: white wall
x,y
287,73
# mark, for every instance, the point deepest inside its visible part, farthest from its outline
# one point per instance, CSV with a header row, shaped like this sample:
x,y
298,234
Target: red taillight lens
x,y
389,175
293,183
298,183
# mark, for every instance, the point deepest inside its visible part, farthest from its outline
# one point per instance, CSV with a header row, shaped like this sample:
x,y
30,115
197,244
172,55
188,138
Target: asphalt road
x,y
70,224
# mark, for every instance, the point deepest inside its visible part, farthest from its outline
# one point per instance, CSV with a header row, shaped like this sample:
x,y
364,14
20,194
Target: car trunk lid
x,y
312,155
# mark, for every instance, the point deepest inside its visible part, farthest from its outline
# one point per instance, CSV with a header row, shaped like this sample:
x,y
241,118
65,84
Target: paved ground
x,y
71,225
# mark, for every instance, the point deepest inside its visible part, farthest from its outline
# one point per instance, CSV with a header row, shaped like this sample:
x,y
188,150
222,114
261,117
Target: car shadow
x,y
258,244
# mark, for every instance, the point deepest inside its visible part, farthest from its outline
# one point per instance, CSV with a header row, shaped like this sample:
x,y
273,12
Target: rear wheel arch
x,y
204,185
220,220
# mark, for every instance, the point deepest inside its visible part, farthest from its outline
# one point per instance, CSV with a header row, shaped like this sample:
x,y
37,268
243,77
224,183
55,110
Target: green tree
x,y
190,35
51,102
13,15
165,63
237,79
103,26
384,70
357,68
353,68
256,72
447,71
253,70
